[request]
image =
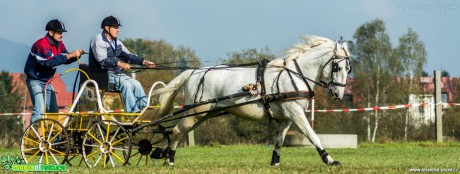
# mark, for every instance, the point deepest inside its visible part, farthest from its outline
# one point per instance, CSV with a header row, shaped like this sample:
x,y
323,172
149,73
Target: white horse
x,y
317,57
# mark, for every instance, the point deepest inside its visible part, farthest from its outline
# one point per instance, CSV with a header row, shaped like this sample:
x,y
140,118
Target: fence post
x,y
438,105
191,139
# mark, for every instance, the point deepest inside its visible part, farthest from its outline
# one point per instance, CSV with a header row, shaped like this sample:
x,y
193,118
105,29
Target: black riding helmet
x,y
55,25
110,21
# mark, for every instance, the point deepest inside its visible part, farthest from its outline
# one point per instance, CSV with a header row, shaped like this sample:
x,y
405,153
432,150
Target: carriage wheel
x,y
45,141
106,144
150,143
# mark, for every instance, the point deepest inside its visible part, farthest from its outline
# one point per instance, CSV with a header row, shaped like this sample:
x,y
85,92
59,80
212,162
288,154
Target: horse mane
x,y
308,42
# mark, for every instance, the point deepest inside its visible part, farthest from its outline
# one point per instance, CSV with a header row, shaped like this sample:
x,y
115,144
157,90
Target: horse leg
x,y
182,128
283,127
299,118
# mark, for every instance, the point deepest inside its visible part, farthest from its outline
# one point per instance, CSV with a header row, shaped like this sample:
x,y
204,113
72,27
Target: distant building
x,y
424,114
449,94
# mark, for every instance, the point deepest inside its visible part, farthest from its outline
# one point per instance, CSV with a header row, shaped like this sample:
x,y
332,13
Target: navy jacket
x,y
103,55
43,58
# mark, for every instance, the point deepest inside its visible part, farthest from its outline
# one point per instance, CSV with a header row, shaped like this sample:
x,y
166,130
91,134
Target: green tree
x,y
248,56
425,74
445,73
164,55
10,126
169,60
451,120
373,55
412,54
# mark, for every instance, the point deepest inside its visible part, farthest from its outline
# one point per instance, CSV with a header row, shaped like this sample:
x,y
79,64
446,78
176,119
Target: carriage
x,y
98,136
109,138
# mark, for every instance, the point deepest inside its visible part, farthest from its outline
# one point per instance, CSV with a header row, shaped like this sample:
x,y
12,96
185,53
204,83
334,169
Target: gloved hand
x,y
148,64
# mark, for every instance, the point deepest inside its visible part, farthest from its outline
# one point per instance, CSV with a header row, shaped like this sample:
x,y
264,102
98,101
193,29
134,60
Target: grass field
x,y
368,158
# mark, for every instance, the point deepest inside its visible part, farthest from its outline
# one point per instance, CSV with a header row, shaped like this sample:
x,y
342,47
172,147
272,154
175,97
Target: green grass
x,y
368,158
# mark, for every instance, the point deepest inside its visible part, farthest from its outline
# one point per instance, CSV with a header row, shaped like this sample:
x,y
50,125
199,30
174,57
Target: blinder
x,y
336,68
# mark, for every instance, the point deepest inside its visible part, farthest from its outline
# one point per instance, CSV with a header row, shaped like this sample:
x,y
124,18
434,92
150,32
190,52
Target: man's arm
x,y
129,57
45,56
71,57
100,54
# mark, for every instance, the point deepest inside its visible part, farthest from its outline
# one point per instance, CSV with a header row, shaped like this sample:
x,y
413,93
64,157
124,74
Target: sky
x,y
215,28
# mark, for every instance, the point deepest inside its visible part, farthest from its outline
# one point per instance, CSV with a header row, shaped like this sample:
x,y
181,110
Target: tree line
x,y
383,74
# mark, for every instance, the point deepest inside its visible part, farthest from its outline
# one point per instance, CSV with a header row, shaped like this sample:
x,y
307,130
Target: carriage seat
x,y
101,77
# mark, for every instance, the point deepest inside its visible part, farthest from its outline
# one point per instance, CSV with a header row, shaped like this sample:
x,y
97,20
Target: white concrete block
x,y
327,140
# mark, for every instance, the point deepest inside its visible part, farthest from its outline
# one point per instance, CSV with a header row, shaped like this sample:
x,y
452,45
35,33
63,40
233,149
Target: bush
x,y
12,137
10,127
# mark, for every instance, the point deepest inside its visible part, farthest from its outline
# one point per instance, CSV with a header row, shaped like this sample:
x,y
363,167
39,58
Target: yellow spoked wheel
x,y
45,141
106,144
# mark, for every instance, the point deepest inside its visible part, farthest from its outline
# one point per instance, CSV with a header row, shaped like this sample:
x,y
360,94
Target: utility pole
x,y
438,105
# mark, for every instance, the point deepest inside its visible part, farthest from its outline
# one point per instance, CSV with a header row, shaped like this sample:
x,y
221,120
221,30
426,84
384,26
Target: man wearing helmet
x,y
109,53
46,54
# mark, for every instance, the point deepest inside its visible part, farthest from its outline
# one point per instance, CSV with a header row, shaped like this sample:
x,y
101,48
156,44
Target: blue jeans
x,y
37,96
132,93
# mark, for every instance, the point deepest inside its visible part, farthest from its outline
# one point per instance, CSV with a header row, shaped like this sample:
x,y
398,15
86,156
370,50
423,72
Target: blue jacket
x,y
103,55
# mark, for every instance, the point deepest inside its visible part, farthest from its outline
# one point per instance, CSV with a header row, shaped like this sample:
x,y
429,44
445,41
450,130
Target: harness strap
x,y
200,86
312,93
261,79
290,76
215,100
278,80
294,95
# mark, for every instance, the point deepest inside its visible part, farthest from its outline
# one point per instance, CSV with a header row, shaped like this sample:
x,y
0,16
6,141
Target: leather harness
x,y
294,95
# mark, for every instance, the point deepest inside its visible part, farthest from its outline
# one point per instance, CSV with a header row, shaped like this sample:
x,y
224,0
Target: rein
x,y
221,66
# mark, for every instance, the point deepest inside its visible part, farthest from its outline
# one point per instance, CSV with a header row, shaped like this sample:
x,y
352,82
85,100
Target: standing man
x,y
46,54
107,52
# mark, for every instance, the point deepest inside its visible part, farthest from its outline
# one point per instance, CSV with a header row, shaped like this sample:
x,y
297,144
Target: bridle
x,y
335,68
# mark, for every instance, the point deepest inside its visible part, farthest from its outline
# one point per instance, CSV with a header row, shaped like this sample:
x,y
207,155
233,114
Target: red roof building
x,y
63,97
448,90
448,87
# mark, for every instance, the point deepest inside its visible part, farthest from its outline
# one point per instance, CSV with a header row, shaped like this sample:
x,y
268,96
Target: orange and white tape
x,y
316,110
378,108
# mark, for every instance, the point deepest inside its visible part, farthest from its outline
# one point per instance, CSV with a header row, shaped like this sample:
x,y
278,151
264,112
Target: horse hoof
x,y
168,164
275,164
335,163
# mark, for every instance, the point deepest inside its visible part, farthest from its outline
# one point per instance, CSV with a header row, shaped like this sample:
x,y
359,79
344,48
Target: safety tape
x,y
316,110
382,107
14,114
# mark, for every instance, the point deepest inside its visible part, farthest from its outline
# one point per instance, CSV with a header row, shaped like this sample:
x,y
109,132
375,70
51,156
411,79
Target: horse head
x,y
336,70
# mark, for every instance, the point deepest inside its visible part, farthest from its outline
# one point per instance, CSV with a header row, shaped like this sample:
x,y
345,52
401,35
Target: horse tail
x,y
169,92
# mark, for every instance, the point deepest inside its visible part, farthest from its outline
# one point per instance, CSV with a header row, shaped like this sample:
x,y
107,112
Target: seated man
x,y
106,52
